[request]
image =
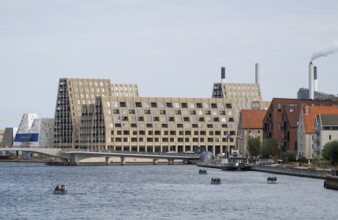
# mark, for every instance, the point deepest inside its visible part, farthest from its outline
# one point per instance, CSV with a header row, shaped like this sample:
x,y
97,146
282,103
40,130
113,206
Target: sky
x,y
169,48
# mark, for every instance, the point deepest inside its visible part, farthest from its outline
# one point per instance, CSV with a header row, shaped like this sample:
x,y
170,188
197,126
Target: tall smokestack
x,y
223,74
257,73
315,79
311,83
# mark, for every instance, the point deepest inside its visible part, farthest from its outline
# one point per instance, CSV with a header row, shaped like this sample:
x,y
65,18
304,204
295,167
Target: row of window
x,y
164,139
165,119
181,133
139,111
132,104
157,125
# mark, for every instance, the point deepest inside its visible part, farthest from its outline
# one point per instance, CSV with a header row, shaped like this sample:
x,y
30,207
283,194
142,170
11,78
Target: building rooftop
x,y
252,118
311,111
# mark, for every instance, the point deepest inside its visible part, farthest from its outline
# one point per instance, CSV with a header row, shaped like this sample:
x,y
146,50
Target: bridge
x,y
74,156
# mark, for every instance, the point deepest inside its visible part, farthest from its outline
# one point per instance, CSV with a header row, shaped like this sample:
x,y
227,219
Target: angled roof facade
x,y
311,111
252,119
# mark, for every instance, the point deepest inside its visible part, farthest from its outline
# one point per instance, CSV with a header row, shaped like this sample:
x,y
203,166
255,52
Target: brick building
x,y
281,120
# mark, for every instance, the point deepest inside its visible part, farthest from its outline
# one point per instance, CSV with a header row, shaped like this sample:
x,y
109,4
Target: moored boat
x,y
235,161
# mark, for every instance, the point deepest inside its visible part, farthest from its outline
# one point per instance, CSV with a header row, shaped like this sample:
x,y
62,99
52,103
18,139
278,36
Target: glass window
x,y
176,105
139,111
123,111
206,105
191,105
131,104
154,111
162,105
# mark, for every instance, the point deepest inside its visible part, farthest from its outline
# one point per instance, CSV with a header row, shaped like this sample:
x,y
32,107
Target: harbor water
x,y
158,192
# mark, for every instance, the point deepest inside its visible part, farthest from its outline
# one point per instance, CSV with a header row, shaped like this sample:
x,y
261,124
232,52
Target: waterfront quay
x,y
277,169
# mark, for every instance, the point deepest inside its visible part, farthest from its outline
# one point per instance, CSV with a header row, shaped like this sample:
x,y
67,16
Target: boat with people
x,y
202,171
235,161
215,181
271,179
60,190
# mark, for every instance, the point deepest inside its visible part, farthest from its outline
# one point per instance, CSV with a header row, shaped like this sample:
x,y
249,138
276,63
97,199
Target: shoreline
x,y
280,169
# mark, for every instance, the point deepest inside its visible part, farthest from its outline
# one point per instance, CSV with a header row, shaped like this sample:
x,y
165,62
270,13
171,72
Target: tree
x,y
269,148
254,147
289,156
330,152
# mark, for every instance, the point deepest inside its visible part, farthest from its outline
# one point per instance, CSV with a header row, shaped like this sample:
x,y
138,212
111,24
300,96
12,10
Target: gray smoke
x,y
323,52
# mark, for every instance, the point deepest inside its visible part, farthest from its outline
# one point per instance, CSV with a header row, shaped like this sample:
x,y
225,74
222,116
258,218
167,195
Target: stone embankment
x,y
277,169
293,171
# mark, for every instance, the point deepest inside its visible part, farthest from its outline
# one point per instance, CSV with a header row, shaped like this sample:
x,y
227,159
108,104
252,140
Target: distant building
x,y
96,115
8,137
306,129
141,124
2,131
34,132
326,130
303,93
72,94
250,126
281,120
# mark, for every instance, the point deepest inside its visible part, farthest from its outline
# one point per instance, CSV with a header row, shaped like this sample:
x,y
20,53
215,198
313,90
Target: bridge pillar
x,y
107,161
74,159
155,161
123,161
170,161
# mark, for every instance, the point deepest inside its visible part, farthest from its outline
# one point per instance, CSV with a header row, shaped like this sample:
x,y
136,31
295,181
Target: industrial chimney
x,y
311,83
257,73
315,79
223,75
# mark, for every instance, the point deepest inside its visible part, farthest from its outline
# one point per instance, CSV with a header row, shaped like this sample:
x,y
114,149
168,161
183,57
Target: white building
x,y
306,129
326,130
34,132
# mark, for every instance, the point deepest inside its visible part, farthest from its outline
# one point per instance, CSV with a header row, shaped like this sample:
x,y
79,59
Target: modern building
x,y
158,125
2,132
72,94
250,126
96,115
303,93
34,132
241,95
8,137
281,120
306,129
326,130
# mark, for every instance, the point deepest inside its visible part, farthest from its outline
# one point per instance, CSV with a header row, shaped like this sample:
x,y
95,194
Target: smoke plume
x,y
323,52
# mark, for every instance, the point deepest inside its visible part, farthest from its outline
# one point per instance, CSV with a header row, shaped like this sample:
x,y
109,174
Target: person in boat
x,y
63,188
57,189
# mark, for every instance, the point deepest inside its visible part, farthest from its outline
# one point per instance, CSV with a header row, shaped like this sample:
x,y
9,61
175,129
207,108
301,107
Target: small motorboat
x,y
60,190
215,181
202,172
271,179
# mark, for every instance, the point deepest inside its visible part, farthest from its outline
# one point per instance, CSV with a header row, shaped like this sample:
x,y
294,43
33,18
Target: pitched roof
x,y
329,119
252,118
311,111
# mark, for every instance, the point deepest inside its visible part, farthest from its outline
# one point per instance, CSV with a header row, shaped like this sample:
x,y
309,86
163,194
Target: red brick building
x,y
281,119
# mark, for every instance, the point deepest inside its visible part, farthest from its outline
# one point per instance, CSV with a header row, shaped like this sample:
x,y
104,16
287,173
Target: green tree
x,y
330,152
269,148
289,156
254,147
